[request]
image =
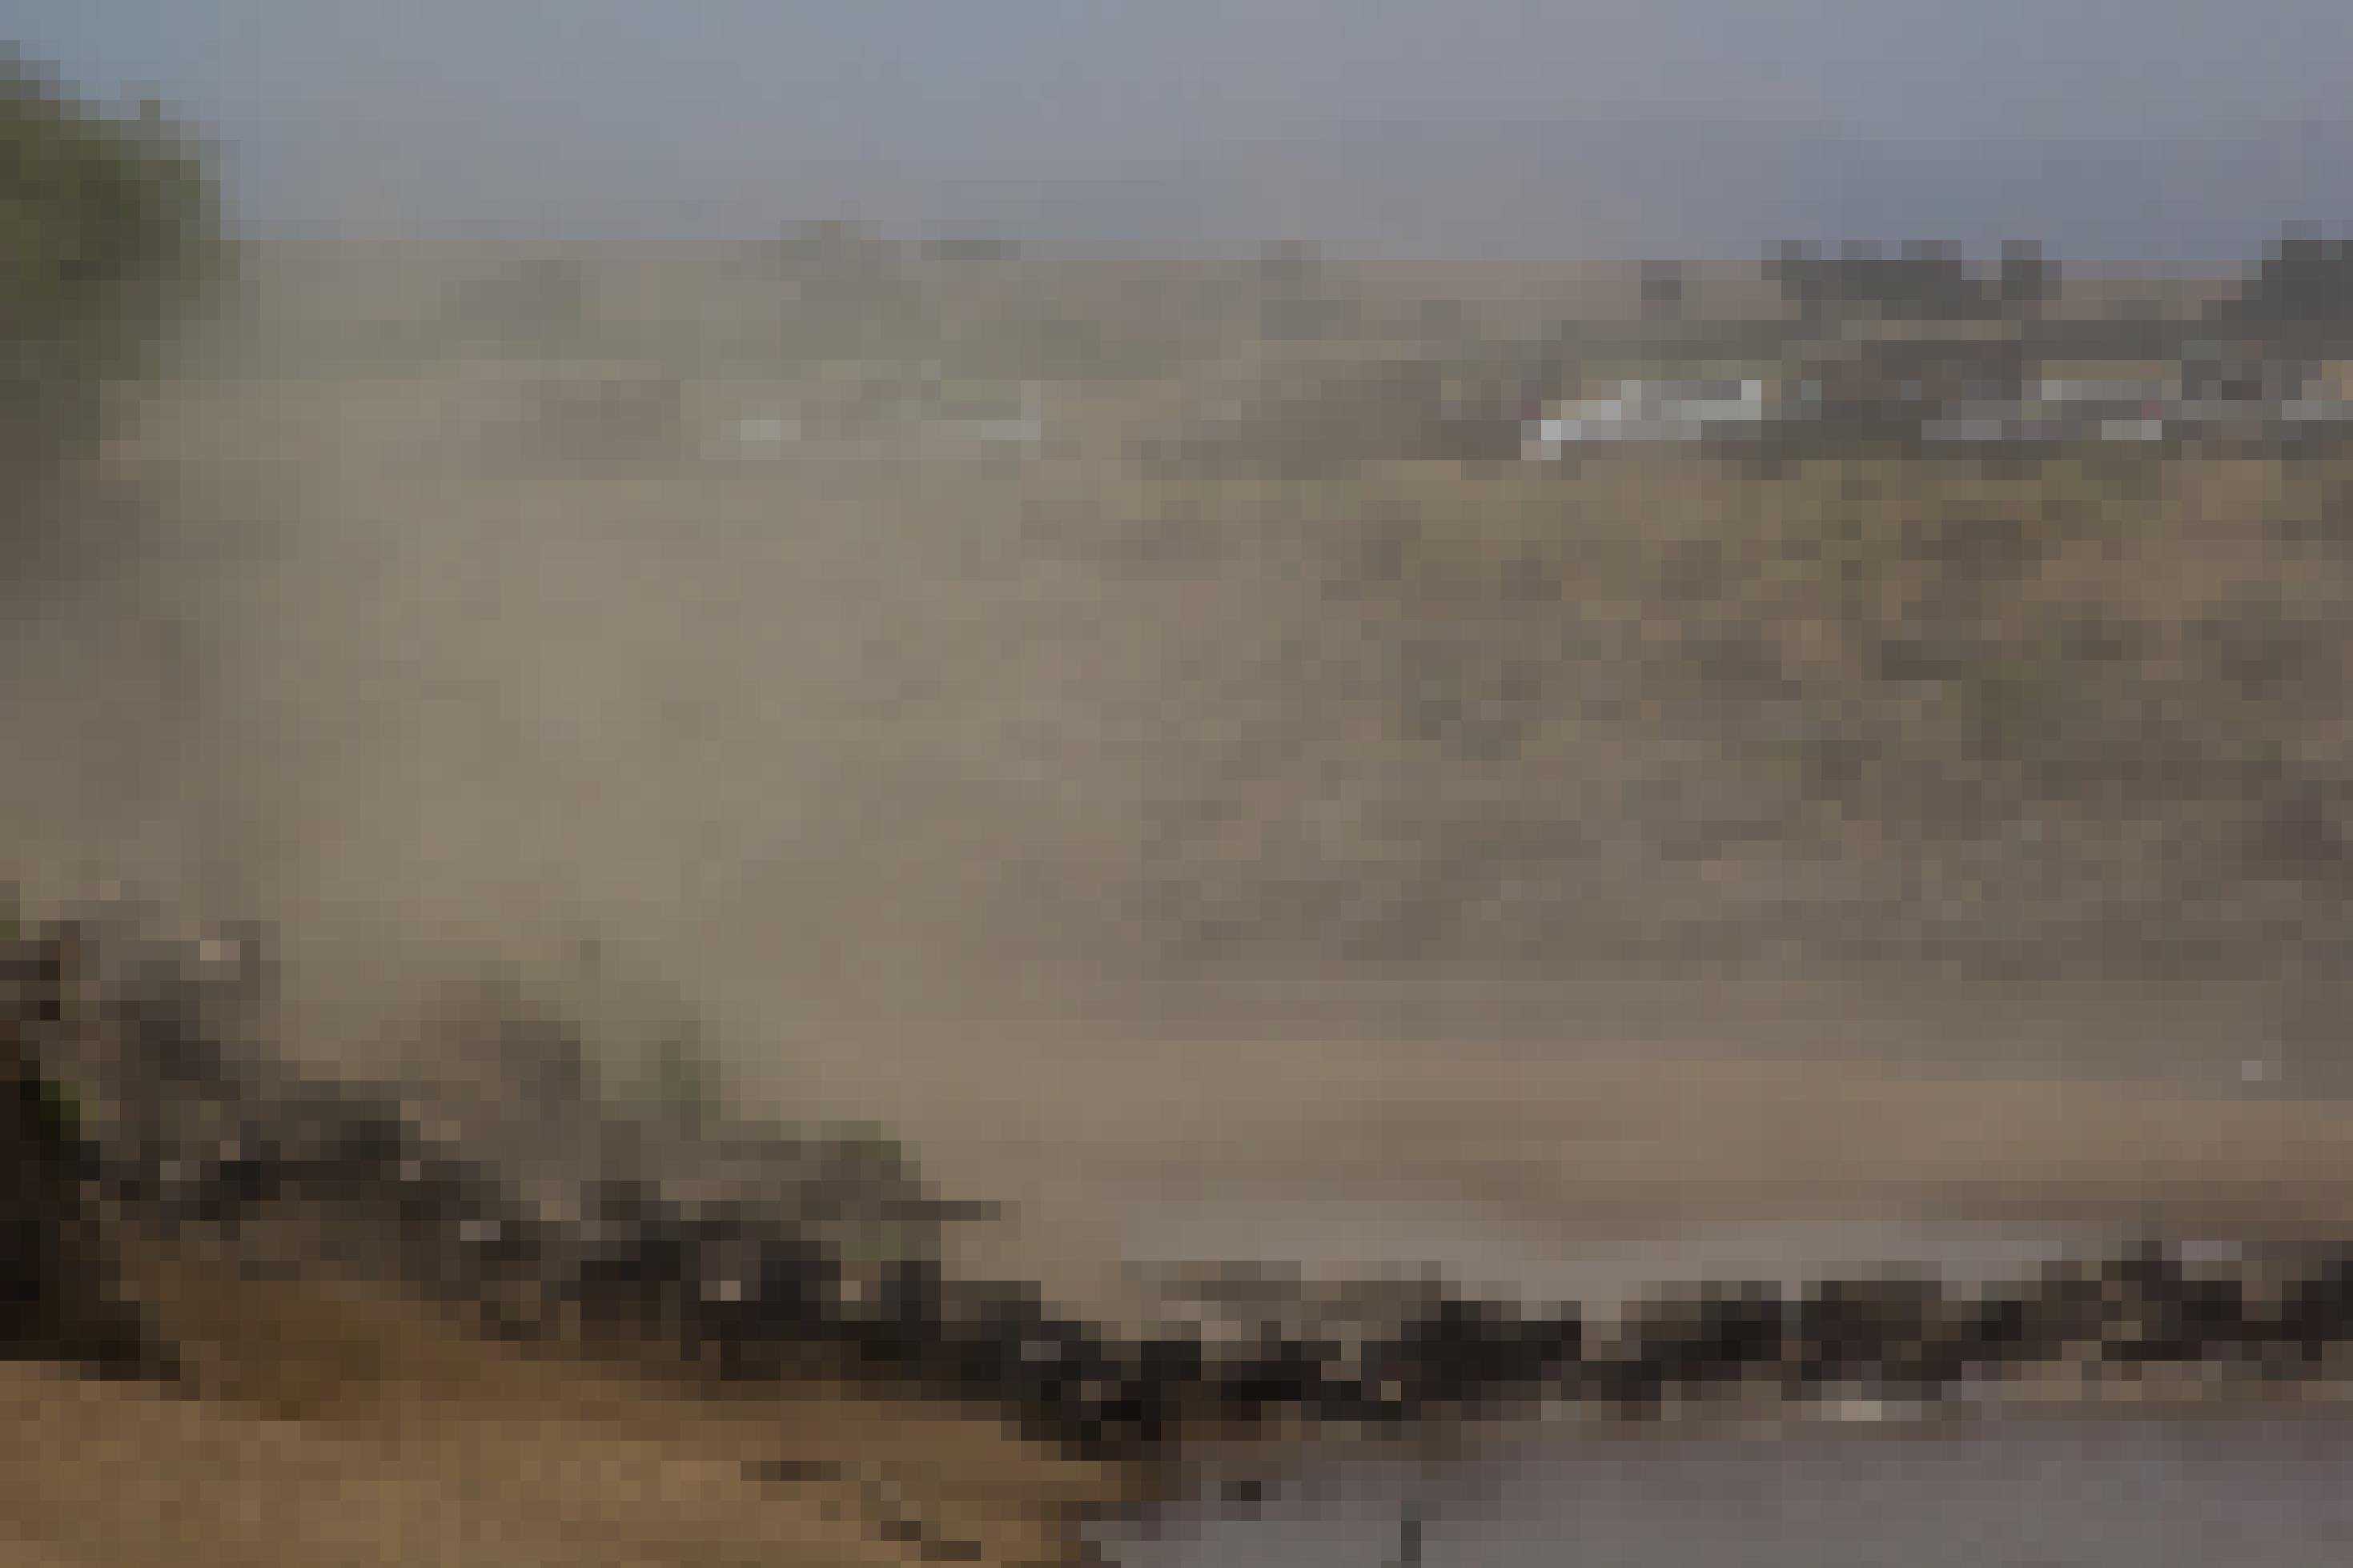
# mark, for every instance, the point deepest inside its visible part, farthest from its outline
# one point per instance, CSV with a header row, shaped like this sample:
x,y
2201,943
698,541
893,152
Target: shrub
x,y
681,1093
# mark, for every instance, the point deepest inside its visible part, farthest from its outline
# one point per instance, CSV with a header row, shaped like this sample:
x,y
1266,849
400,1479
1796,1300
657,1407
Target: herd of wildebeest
x,y
170,1128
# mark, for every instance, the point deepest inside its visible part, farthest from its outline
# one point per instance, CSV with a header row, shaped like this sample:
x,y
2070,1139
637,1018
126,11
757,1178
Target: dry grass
x,y
346,1425
1889,668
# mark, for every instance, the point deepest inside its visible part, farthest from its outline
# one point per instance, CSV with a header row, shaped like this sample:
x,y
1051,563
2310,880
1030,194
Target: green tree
x,y
110,231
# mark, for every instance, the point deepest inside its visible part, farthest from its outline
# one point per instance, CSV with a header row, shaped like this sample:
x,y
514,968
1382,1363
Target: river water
x,y
2242,1491
2027,1488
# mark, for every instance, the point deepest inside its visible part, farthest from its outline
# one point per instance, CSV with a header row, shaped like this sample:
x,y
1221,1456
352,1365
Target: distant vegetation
x,y
534,305
1922,282
2304,279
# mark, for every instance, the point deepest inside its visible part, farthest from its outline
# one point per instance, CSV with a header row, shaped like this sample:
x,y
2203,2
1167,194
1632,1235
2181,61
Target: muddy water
x,y
2083,1494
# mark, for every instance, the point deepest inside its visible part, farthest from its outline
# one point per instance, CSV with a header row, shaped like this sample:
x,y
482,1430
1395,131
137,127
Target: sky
x,y
443,100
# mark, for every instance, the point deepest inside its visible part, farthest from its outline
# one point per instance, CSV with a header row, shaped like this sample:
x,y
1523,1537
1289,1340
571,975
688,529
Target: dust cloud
x,y
878,767
821,753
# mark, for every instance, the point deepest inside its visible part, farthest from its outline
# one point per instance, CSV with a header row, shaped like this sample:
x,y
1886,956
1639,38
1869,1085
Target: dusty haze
x,y
871,764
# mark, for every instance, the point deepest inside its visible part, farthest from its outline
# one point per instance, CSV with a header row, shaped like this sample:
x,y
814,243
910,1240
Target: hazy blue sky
x,y
458,94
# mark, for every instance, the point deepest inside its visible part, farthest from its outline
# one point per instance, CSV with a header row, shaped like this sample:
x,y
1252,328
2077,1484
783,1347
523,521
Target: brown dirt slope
x,y
342,1425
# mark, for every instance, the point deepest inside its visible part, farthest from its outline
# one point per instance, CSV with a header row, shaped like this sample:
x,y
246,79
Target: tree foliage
x,y
2302,278
109,231
1922,282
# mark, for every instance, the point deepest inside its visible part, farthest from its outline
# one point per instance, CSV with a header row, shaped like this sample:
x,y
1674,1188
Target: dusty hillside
x,y
834,752
2071,717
